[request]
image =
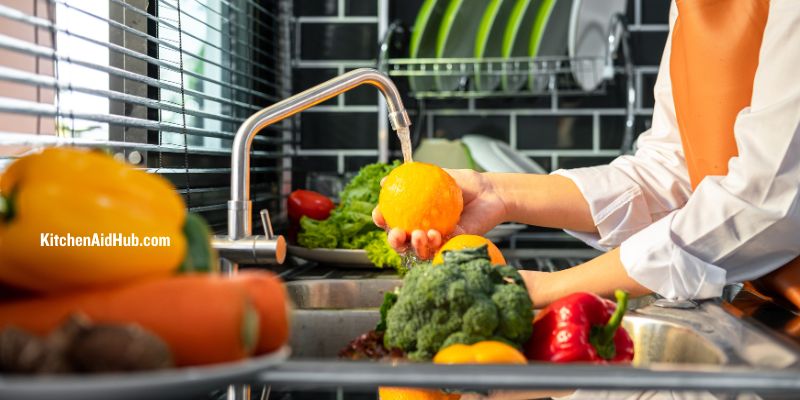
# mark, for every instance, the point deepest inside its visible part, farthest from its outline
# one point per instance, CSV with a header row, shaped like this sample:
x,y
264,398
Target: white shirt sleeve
x,y
634,191
735,227
745,224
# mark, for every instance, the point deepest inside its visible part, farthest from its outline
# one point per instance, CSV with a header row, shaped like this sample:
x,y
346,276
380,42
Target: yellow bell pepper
x,y
68,191
486,352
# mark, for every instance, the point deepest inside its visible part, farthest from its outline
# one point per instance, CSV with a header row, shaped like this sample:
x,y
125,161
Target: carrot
x,y
269,298
204,319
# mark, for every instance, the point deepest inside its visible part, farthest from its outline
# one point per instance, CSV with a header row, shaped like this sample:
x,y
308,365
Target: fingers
x,y
434,239
419,241
424,243
398,240
377,218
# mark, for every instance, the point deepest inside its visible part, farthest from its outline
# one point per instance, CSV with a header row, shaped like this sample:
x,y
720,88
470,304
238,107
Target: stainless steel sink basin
x,y
329,313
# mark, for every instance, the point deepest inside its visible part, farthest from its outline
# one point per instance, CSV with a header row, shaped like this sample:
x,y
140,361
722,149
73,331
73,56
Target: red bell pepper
x,y
581,327
308,203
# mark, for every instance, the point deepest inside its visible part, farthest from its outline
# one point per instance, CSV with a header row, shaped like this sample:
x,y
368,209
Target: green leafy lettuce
x,y
350,224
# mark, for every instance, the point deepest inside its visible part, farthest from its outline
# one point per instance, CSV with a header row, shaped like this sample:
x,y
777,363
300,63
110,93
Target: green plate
x,y
423,40
549,37
516,41
456,37
489,40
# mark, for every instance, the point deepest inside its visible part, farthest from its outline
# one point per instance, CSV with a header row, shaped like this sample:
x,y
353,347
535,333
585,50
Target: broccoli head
x,y
464,300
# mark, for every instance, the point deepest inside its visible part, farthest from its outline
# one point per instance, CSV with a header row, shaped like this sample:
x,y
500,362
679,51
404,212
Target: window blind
x,y
162,84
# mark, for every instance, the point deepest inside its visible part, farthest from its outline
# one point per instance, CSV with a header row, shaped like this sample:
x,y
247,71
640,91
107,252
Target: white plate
x,y
588,38
493,155
516,41
336,257
423,40
549,37
189,382
489,41
456,38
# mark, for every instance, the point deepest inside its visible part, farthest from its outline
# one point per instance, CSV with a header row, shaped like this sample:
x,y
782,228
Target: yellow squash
x,y
67,191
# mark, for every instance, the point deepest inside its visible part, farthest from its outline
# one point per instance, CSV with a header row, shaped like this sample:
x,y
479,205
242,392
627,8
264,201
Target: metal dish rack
x,y
551,76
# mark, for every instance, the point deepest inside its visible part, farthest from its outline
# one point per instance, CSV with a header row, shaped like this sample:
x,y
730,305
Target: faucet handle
x,y
267,224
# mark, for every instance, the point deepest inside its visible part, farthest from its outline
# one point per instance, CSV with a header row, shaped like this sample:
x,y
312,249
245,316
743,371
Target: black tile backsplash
x,y
555,141
455,127
339,130
338,41
316,7
655,11
647,47
554,132
361,7
303,165
304,78
354,163
648,83
361,96
567,162
545,162
612,129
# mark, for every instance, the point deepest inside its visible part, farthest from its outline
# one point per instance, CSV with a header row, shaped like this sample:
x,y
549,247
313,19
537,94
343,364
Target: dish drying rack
x,y
551,76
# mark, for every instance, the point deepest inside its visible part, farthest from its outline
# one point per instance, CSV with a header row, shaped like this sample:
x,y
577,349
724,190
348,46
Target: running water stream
x,y
404,134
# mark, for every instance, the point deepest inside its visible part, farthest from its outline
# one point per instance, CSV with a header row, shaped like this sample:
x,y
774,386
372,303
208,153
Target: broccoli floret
x,y
464,300
512,301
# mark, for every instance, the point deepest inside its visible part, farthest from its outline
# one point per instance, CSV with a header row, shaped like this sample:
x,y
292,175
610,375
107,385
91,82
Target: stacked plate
x,y
522,30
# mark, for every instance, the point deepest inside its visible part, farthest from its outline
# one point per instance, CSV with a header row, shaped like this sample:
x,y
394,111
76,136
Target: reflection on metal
x,y
704,348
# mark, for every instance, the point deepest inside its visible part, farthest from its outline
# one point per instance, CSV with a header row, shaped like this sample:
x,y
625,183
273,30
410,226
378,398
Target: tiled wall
x,y
334,36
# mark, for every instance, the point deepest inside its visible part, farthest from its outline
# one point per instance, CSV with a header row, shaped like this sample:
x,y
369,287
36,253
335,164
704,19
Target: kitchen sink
x,y
331,312
680,346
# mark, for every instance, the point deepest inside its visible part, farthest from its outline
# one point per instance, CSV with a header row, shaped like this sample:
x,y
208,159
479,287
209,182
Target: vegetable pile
x,y
64,192
164,297
350,225
465,300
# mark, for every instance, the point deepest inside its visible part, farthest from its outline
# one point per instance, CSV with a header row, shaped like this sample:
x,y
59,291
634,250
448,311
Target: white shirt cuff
x,y
616,202
654,260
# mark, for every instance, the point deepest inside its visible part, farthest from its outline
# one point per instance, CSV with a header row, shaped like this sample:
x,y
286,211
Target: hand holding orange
x,y
419,196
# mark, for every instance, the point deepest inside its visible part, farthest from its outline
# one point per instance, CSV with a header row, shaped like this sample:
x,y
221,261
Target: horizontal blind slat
x,y
224,38
169,25
171,46
28,78
21,46
26,139
33,108
43,23
203,23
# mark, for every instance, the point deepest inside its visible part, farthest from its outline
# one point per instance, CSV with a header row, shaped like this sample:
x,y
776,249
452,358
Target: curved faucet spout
x,y
240,206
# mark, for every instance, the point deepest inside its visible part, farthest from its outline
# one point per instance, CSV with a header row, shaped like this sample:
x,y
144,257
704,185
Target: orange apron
x,y
714,56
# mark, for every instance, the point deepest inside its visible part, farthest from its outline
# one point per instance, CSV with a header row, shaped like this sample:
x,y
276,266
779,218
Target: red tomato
x,y
310,204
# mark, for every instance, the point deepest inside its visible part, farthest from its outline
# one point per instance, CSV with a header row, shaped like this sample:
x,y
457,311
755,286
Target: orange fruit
x,y
470,241
396,393
486,352
422,196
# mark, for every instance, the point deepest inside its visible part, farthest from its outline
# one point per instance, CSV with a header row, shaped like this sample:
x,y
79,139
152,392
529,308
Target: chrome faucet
x,y
240,245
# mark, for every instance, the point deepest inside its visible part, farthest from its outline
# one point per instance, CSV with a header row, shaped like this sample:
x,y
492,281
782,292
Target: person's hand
x,y
483,210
